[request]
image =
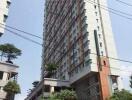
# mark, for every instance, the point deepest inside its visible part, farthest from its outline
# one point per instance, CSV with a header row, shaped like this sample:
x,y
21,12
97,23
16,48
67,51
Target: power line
x,y
123,70
54,13
125,3
22,31
121,60
15,33
116,12
113,12
114,58
24,37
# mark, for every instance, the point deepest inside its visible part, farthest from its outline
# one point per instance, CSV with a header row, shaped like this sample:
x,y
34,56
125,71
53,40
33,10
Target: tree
x,y
11,88
51,67
35,83
131,81
64,95
9,51
121,95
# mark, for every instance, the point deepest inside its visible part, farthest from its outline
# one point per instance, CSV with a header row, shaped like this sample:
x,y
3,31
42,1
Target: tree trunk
x,y
8,58
10,96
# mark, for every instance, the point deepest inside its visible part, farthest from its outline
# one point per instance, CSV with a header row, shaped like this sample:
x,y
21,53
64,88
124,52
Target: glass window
x,y
5,18
8,4
95,6
100,44
1,75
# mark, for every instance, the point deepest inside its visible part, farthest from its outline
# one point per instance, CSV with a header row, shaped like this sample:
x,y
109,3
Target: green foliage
x,y
51,67
35,83
9,51
12,87
64,95
131,81
121,95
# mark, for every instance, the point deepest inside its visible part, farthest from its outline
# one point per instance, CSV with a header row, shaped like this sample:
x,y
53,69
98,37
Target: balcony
x,y
49,85
7,67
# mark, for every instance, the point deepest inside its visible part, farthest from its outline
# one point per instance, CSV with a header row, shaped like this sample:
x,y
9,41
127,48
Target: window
x,y
86,53
1,75
98,96
76,70
5,18
97,20
65,64
63,77
84,27
102,53
86,44
97,88
88,92
95,6
57,89
8,4
47,88
100,44
88,83
85,35
96,78
84,19
88,62
96,13
104,63
99,35
98,27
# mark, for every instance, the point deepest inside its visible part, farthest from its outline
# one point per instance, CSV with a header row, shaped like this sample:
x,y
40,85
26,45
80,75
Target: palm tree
x,y
9,51
11,88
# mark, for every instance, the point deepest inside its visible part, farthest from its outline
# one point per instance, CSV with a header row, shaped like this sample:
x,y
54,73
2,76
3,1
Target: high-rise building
x,y
8,71
4,6
78,39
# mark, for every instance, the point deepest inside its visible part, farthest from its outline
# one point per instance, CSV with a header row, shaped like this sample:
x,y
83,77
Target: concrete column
x,y
52,89
4,76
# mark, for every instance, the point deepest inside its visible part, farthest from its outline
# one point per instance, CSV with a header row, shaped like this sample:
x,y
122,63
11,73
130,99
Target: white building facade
x,y
78,38
4,7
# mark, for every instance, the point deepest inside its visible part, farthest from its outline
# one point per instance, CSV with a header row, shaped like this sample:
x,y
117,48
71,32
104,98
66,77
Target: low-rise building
x,y
47,87
8,72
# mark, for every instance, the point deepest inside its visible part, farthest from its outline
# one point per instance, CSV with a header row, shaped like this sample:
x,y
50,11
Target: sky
x,y
27,15
123,37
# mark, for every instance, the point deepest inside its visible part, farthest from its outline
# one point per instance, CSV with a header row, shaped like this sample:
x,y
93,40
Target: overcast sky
x,y
27,15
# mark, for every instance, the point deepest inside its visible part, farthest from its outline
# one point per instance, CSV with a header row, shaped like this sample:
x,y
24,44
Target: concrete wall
x,y
3,11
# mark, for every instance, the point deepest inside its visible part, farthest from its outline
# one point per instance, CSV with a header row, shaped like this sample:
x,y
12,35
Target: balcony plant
x,y
64,95
51,67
